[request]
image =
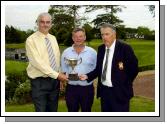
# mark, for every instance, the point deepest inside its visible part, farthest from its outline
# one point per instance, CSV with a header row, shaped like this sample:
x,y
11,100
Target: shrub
x,y
149,37
146,67
23,93
12,82
11,101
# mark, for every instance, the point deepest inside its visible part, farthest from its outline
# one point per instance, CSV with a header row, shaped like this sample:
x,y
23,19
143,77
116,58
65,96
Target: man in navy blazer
x,y
116,68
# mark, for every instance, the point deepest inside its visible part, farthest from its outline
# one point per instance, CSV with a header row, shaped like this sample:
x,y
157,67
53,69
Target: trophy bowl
x,y
72,62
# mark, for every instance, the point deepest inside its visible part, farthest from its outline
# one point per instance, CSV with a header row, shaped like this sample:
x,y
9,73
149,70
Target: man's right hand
x,y
62,77
83,77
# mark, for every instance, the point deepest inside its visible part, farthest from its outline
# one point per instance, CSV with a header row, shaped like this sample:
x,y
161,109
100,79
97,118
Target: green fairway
x,y
15,66
16,46
144,49
138,104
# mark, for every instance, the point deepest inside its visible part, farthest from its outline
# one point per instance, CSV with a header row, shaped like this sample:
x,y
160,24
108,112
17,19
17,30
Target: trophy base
x,y
73,77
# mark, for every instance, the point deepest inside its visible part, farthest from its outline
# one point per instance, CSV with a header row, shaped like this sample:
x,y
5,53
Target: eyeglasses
x,y
45,22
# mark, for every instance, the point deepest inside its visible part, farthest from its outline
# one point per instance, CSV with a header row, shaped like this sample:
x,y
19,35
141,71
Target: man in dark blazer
x,y
116,68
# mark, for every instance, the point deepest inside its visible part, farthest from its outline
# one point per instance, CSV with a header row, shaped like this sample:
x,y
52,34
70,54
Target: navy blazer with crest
x,y
123,72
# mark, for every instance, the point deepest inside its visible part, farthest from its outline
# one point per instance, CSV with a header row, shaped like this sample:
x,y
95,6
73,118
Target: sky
x,y
24,16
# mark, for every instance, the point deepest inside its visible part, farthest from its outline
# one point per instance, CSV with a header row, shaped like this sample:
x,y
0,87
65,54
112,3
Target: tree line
x,y
15,35
67,17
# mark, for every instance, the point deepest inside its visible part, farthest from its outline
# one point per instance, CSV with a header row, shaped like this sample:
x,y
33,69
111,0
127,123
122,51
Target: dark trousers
x,y
110,102
79,96
45,93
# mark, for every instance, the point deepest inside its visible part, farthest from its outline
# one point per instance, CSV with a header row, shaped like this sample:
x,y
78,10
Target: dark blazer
x,y
122,78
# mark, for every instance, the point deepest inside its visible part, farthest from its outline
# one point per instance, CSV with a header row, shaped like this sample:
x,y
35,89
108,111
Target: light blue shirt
x,y
87,65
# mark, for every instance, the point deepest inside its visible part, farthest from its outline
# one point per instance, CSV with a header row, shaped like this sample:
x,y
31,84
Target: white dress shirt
x,y
108,81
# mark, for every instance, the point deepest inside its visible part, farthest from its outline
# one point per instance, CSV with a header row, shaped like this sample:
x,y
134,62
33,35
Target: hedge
x,y
146,67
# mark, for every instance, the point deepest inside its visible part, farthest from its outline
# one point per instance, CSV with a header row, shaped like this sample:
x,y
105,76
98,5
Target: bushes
x,y
17,84
17,88
13,81
22,93
149,37
146,67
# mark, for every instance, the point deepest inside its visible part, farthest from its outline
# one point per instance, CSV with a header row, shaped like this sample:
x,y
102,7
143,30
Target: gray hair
x,y
43,14
107,25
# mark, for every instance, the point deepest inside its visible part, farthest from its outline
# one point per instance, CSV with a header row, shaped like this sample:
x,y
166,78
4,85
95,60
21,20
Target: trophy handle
x,y
80,61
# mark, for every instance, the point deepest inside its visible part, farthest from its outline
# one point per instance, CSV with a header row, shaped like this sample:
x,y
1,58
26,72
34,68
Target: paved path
x,y
144,84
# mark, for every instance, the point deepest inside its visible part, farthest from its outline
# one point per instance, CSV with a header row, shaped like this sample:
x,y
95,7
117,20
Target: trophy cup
x,y
72,62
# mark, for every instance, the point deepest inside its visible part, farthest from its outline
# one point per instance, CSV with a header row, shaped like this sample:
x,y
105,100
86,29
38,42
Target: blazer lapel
x,y
102,53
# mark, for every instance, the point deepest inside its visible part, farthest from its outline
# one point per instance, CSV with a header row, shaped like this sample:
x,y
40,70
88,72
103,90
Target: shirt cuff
x,y
54,75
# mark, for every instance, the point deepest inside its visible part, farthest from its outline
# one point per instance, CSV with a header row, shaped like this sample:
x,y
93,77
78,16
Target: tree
x,y
152,9
108,17
14,35
143,30
7,34
89,33
62,24
148,35
29,32
65,18
121,32
131,30
71,10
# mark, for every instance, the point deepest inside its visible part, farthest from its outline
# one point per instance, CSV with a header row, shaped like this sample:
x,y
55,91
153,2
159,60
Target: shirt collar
x,y
42,35
85,49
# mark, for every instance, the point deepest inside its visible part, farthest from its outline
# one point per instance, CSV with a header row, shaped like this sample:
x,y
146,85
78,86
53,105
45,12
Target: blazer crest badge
x,y
121,65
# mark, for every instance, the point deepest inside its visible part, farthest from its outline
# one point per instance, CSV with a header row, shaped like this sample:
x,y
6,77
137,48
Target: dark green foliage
x,y
14,79
14,35
64,20
23,93
108,17
89,32
121,32
146,67
152,9
149,37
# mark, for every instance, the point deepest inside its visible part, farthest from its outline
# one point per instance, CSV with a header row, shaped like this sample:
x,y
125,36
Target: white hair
x,y
43,14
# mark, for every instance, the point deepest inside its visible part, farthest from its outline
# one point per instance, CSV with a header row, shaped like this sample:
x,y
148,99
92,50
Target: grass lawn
x,y
137,104
16,46
15,66
144,49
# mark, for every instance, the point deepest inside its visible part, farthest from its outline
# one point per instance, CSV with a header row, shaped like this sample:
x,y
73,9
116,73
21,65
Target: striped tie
x,y
51,54
103,77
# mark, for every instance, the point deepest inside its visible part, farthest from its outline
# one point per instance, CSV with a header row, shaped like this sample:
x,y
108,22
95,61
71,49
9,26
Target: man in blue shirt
x,y
79,93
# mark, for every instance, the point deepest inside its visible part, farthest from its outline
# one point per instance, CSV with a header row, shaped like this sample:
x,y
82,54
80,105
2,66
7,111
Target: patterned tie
x,y
103,77
51,54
